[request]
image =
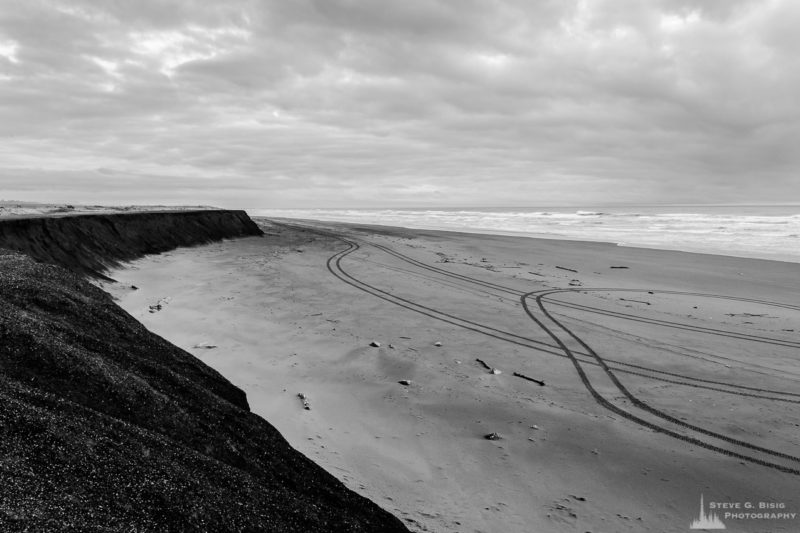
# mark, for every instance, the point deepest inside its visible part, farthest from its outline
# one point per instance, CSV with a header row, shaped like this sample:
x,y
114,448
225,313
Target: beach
x,y
106,426
618,384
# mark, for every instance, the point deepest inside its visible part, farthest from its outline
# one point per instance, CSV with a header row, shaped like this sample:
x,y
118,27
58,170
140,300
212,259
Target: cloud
x,y
348,103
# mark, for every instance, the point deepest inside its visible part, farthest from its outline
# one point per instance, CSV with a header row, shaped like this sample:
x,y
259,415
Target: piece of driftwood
x,y
523,376
637,301
482,362
304,399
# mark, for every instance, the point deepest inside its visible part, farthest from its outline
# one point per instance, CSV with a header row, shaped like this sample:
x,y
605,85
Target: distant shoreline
x,y
532,235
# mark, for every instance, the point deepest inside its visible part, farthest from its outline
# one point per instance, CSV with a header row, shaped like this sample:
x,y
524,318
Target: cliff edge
x,y
105,426
88,244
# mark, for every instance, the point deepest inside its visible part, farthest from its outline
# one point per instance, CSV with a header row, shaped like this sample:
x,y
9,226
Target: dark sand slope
x,y
88,244
105,426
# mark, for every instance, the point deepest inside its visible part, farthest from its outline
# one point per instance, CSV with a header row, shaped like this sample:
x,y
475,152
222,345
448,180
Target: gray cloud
x,y
425,102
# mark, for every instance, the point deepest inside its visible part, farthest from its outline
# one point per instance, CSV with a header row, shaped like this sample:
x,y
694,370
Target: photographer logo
x,y
708,520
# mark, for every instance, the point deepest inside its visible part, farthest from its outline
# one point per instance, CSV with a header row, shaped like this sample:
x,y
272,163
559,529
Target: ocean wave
x,y
764,234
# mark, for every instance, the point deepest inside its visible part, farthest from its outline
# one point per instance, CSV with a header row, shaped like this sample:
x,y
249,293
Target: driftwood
x,y
523,376
482,362
565,268
304,399
637,301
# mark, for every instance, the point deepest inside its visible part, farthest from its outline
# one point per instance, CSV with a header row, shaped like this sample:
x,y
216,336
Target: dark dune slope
x,y
105,426
90,243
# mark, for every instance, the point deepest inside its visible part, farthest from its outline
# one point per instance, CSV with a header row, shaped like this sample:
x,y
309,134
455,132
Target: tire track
x,y
670,324
691,378
704,356
539,297
335,267
526,341
637,402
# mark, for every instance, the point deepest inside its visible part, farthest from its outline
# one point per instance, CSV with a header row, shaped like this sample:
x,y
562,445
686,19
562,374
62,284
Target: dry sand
x,y
277,316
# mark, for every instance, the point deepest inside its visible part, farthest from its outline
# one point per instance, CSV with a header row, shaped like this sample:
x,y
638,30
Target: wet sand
x,y
667,375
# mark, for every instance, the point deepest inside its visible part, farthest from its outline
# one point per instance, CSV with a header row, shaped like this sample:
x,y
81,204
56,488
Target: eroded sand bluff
x,y
107,426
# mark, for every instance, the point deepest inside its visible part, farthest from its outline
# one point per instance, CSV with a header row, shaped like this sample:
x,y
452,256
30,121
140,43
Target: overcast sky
x,y
340,103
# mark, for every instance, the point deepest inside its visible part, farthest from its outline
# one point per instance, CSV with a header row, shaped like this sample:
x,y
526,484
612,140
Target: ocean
x,y
765,232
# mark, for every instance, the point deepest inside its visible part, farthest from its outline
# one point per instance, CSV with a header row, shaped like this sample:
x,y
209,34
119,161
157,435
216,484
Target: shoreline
x,y
686,247
270,316
482,232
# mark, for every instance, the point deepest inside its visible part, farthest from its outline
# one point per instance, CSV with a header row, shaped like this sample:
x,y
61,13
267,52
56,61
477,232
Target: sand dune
x,y
666,375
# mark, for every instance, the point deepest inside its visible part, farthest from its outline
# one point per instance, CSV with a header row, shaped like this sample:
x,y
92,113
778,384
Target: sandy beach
x,y
622,383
